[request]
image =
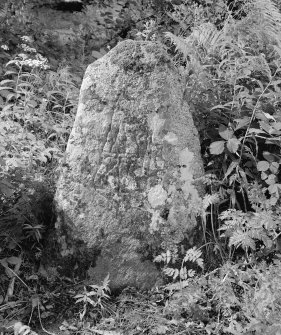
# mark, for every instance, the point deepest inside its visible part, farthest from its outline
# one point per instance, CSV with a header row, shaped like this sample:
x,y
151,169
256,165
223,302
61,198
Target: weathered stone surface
x,y
126,188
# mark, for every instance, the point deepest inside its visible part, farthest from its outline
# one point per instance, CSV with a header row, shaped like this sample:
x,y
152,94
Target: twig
x,y
11,286
39,316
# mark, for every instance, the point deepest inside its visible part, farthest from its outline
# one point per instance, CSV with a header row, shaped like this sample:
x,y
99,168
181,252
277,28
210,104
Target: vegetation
x,y
230,54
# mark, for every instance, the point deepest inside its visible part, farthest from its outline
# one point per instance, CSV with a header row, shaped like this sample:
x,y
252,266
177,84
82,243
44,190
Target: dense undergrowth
x,y
230,56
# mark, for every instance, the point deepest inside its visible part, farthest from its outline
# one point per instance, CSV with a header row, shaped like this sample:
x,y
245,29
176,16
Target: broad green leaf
x,y
273,188
277,125
14,260
6,88
273,200
216,148
268,116
271,179
232,166
233,144
275,132
268,156
225,132
7,81
241,123
32,103
274,167
97,54
263,166
265,126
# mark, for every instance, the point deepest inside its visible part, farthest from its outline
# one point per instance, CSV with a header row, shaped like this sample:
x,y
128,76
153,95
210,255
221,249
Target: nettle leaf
x,y
14,260
277,125
233,145
269,117
274,188
263,166
271,179
241,123
265,126
274,167
269,156
97,54
216,148
225,132
275,132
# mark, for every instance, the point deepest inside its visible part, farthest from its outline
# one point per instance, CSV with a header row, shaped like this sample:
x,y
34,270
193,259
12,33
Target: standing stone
x,y
126,189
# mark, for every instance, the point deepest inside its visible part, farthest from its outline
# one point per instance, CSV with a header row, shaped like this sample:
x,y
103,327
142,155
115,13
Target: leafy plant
x,y
238,74
192,256
94,297
36,115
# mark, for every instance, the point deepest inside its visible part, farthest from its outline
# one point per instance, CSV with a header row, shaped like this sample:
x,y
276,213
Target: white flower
x,y
22,56
4,47
27,48
27,39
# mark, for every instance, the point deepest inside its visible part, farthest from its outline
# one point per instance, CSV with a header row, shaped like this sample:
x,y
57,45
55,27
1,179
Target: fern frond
x,y
256,65
240,238
3,11
171,272
262,23
208,179
259,235
210,199
206,36
194,255
232,215
266,219
267,10
182,45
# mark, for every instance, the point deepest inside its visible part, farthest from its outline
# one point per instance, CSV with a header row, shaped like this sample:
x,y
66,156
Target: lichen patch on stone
x,y
156,124
156,222
171,138
157,196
